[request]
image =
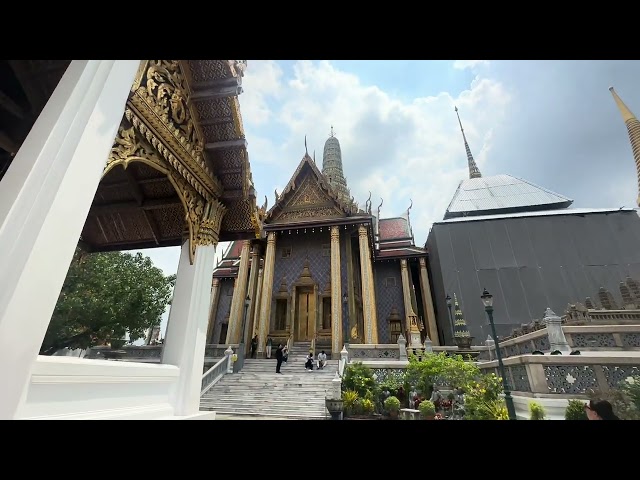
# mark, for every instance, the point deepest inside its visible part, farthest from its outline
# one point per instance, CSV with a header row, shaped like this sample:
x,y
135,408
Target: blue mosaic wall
x,y
224,304
308,246
387,297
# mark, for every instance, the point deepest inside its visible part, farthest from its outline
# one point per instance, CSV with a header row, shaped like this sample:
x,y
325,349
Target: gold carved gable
x,y
308,201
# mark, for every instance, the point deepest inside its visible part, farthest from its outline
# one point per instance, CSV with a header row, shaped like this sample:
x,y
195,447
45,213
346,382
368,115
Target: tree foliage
x,y
104,296
435,368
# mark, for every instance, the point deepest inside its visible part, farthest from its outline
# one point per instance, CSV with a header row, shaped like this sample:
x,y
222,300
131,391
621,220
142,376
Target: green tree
x,y
104,296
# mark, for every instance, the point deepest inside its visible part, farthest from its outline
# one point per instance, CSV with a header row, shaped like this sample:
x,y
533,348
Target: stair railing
x,y
215,373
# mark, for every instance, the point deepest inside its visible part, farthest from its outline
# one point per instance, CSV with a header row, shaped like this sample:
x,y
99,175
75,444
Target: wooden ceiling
x,y
138,207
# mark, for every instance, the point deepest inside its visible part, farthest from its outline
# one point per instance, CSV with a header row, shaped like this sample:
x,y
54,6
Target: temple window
x,y
286,252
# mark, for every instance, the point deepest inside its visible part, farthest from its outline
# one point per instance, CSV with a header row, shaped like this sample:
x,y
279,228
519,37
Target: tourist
x,y
308,366
285,354
436,397
322,360
279,358
254,345
600,410
268,347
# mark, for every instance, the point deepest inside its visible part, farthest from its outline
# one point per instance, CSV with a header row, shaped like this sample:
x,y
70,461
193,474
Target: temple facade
x,y
323,270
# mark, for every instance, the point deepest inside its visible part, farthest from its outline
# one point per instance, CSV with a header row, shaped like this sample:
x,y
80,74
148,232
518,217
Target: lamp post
x,y
345,300
487,300
448,299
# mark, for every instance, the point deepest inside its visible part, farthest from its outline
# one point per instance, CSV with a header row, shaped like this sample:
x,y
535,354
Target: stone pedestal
x,y
557,340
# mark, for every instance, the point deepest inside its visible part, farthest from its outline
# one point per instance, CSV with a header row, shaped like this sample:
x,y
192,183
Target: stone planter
x,y
335,407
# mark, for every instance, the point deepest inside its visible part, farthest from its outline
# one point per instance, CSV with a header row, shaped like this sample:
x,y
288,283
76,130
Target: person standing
x,y
279,356
269,347
254,345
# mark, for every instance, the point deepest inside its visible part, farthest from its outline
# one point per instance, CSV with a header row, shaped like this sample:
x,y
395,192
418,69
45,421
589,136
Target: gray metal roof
x,y
545,213
502,194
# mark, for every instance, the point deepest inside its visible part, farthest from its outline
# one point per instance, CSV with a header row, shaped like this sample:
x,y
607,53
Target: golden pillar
x,y
427,303
234,334
633,129
255,321
368,292
213,308
336,294
253,290
406,295
267,291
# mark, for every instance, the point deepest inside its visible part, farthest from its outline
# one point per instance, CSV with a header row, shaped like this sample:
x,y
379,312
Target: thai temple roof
x,y
499,194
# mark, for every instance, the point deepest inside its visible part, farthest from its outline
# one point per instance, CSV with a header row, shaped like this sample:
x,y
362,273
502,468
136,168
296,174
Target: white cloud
x,y
397,149
464,64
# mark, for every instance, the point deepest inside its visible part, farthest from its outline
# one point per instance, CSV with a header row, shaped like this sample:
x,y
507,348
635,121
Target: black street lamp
x,y
448,299
487,300
345,300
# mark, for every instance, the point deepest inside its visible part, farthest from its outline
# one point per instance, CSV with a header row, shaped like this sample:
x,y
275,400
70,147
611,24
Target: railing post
x,y
491,343
428,345
557,340
228,353
336,387
402,343
344,355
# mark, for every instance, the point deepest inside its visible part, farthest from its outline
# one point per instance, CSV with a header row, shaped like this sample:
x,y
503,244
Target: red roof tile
x,y
393,228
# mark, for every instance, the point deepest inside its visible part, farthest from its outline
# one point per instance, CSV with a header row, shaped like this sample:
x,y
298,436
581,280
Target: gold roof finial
x,y
624,110
633,129
474,171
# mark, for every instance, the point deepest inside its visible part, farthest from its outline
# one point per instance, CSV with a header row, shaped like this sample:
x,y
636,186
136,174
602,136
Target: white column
x,y
336,294
267,291
45,198
185,339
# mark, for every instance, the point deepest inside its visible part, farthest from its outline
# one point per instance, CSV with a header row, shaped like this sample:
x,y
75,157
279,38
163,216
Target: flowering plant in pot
x,y
427,410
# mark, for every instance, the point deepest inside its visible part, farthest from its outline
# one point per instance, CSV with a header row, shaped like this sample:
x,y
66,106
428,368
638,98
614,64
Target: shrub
x,y
434,368
427,408
392,404
575,411
359,378
482,399
349,399
368,407
631,388
536,410
622,405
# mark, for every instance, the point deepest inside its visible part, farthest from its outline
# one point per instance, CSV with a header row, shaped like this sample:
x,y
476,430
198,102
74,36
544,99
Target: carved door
x,y
305,315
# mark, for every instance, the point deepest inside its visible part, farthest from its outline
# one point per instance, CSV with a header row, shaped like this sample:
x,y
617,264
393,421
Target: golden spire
x,y
474,172
633,129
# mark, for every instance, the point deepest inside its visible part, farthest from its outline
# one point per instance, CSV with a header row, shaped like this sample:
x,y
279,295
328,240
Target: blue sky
x,y
553,123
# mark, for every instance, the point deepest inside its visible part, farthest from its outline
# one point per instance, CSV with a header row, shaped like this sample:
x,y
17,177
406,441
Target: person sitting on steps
x,y
309,363
322,360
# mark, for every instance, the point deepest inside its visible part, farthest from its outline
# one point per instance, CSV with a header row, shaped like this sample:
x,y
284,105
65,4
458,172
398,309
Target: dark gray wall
x,y
529,264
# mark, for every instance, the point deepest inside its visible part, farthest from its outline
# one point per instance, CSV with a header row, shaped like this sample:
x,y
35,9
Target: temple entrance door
x,y
305,314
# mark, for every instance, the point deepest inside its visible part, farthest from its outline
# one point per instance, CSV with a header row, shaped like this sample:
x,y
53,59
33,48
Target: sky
x,y
553,123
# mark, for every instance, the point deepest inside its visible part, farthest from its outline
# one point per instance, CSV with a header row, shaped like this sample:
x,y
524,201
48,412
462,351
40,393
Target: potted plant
x,y
427,410
392,405
575,411
349,398
536,410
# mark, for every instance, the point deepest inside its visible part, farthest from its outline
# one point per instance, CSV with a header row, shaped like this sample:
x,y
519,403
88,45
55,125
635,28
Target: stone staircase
x,y
259,392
